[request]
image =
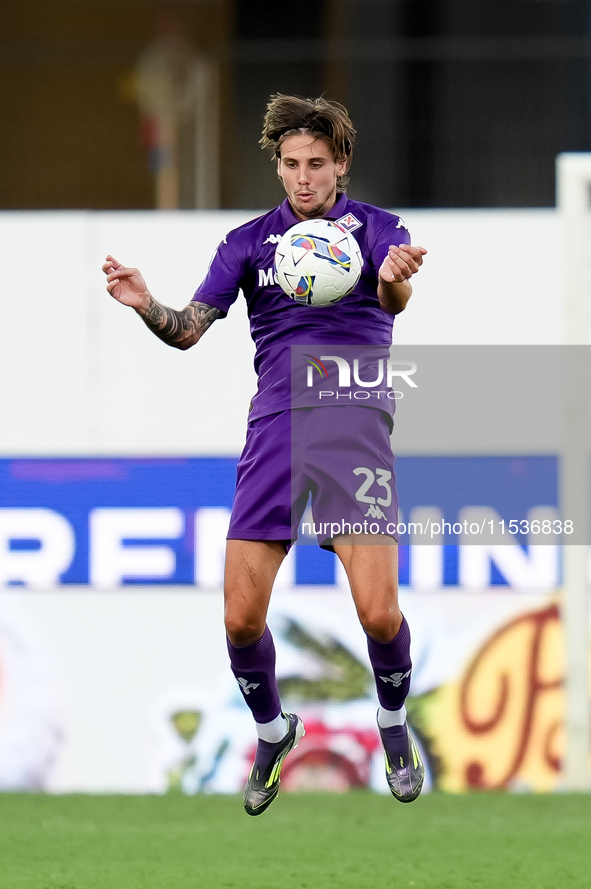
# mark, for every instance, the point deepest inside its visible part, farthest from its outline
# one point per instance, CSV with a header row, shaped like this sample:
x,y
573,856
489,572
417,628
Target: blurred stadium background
x,y
117,455
457,104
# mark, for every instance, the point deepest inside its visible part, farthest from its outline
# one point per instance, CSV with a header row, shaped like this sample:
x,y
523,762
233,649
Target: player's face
x,y
309,174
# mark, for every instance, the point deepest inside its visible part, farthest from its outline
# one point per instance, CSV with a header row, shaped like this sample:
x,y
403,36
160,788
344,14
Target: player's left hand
x,y
401,263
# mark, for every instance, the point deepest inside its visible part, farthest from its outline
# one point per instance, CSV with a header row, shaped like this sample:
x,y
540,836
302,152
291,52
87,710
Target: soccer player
x,y
311,141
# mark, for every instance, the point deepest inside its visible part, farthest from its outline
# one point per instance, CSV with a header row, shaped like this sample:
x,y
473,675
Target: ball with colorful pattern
x,y
317,262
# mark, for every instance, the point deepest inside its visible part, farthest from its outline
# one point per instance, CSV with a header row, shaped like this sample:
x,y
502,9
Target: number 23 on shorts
x,y
381,477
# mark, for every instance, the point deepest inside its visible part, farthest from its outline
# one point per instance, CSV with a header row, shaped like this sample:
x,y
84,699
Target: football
x,y
317,262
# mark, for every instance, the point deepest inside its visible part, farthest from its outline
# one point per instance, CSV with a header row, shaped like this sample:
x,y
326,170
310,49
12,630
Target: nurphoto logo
x,y
368,375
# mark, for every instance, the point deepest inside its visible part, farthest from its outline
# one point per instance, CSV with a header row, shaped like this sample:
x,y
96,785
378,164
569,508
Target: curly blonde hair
x,y
326,120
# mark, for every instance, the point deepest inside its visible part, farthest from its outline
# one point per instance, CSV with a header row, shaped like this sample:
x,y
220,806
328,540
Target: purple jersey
x,y
244,261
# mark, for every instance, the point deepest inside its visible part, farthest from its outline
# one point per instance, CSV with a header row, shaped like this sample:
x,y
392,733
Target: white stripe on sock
x,y
388,718
273,731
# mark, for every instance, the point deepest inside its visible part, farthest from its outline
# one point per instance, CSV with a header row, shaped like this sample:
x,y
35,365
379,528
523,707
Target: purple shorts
x,y
339,455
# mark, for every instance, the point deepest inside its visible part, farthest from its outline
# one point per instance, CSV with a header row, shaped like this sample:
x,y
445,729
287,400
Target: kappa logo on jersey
x,y
374,512
402,224
349,222
396,678
272,239
247,686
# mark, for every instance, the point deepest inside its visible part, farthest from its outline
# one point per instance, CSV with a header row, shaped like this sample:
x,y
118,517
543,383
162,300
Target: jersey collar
x,y
289,218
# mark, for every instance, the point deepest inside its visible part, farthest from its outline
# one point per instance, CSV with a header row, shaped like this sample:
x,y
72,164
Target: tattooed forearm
x,y
181,329
203,315
153,314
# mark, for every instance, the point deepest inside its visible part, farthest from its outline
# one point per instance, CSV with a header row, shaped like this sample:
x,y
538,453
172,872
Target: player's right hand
x,y
125,285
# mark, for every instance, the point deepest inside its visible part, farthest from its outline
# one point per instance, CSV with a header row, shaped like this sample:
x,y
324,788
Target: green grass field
x,y
304,841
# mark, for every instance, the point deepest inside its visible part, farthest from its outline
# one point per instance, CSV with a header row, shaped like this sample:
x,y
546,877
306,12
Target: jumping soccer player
x,y
340,453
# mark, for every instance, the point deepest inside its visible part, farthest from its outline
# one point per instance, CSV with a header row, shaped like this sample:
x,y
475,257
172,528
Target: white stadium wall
x,y
82,376
117,457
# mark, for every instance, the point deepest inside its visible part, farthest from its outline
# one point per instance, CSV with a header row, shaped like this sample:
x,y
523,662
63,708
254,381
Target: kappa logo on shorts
x,y
349,222
374,512
396,678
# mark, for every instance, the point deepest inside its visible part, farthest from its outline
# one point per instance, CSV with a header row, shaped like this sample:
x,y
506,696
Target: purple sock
x,y
392,667
395,741
254,668
265,753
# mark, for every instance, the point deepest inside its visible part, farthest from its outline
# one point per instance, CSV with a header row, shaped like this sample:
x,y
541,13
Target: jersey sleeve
x,y
389,230
221,284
